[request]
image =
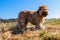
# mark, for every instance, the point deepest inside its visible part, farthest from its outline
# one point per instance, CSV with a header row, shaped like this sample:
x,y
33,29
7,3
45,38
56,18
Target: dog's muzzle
x,y
44,13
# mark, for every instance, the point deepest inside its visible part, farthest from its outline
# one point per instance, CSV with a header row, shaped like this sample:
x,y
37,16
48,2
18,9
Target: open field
x,y
52,31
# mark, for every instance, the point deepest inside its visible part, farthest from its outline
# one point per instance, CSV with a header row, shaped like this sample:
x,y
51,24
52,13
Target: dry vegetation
x,y
52,31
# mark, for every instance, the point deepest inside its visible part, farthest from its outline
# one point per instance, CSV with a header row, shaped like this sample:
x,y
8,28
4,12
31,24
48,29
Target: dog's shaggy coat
x,y
34,17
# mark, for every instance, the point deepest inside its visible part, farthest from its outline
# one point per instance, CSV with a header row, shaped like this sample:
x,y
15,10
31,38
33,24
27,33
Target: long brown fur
x,y
34,17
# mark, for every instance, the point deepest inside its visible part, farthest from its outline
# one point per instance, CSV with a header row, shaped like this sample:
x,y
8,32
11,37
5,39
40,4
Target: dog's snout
x,y
44,11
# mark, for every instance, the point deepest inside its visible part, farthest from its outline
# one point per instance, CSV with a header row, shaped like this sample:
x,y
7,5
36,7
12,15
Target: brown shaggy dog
x,y
34,17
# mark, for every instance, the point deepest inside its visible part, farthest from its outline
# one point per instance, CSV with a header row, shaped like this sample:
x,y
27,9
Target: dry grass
x,y
51,33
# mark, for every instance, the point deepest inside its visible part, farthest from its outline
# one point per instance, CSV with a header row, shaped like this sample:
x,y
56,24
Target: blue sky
x,y
11,8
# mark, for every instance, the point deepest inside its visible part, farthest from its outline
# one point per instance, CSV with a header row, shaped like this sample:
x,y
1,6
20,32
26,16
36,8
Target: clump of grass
x,y
46,35
42,33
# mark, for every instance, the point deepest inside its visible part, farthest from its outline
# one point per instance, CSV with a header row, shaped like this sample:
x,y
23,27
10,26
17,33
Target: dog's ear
x,y
38,10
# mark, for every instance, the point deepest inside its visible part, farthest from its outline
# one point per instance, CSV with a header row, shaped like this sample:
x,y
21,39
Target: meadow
x,y
52,31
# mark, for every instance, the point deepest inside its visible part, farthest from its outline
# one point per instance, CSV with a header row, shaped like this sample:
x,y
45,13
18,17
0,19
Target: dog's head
x,y
43,10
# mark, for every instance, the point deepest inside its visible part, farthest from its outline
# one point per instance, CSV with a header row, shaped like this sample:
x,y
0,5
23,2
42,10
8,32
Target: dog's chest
x,y
43,20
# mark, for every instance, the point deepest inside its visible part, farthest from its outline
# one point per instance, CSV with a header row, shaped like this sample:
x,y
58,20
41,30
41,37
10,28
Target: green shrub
x,y
48,36
42,33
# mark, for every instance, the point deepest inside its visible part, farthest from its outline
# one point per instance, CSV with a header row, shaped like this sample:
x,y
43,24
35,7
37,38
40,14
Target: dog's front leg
x,y
37,26
41,26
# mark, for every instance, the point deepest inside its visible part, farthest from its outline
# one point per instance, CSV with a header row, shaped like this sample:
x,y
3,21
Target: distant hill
x,y
8,20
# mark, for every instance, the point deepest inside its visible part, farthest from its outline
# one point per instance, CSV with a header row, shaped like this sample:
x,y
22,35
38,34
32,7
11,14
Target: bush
x,y
44,35
48,36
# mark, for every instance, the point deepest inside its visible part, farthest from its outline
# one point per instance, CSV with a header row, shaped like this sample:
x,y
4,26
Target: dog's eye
x,y
43,9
